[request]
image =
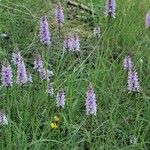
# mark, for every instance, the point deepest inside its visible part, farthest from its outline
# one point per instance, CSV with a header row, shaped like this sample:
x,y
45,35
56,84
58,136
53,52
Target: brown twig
x,y
81,6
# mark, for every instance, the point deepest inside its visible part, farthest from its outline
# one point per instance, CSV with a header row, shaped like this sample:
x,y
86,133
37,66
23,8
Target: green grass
x,y
120,115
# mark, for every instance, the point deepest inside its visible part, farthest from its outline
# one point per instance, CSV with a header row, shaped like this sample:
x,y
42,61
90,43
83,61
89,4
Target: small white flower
x,y
49,74
4,35
30,78
141,61
133,140
3,119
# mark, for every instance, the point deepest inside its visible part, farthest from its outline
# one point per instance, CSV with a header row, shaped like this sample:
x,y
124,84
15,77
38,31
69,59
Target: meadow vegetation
x,y
36,121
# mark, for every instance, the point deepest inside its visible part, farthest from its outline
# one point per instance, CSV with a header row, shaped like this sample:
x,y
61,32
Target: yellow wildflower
x,y
53,125
56,118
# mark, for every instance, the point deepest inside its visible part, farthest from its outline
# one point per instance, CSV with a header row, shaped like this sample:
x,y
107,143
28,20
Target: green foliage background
x,y
121,115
